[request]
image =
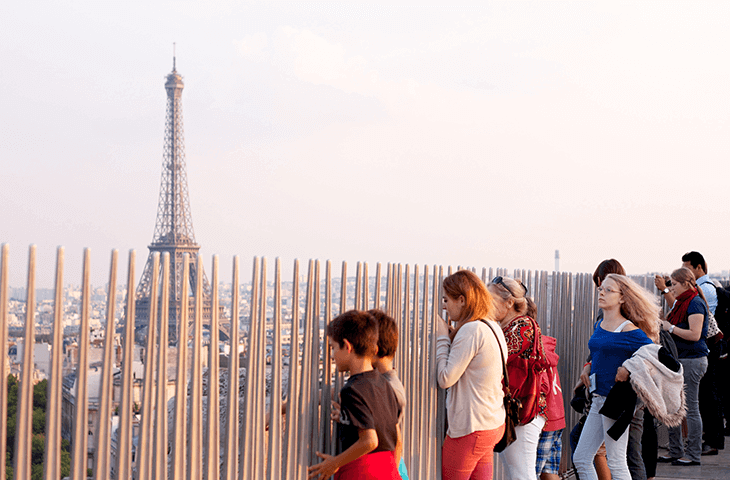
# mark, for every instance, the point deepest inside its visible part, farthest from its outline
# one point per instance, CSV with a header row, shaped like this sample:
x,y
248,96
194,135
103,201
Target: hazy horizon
x,y
486,134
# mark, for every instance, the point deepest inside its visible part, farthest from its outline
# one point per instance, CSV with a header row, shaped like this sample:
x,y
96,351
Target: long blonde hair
x,y
639,306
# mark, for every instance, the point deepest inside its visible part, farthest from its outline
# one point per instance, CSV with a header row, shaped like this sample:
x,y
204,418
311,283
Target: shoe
x,y
666,459
683,462
708,450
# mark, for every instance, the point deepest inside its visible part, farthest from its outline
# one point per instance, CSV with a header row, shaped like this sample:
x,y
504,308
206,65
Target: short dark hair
x,y
357,327
387,333
695,259
604,268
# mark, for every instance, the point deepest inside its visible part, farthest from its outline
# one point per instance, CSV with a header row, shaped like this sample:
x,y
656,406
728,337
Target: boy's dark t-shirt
x,y
368,401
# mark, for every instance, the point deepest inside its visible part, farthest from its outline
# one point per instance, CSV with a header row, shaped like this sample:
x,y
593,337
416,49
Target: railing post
x,y
102,450
4,342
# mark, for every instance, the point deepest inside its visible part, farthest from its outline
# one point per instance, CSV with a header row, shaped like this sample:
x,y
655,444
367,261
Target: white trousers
x,y
591,438
520,458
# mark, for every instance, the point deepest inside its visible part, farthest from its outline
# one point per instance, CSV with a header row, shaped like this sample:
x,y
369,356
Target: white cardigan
x,y
471,369
659,388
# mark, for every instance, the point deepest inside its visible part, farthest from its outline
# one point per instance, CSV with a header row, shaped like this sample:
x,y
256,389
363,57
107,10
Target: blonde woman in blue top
x,y
630,321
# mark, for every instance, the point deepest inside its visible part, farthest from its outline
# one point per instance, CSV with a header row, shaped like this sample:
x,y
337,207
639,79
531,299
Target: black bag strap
x,y
501,354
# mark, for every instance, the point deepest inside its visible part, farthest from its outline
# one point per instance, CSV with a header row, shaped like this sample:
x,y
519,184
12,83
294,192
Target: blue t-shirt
x,y
609,350
687,348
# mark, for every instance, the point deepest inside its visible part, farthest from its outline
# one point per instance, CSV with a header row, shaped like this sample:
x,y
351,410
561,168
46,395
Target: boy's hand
x,y
324,470
335,415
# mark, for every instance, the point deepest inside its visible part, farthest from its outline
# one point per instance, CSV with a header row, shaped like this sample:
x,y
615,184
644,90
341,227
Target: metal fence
x,y
241,431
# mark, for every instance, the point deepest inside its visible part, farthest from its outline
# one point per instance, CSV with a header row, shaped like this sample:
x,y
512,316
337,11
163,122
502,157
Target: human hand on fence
x,y
324,470
335,415
442,328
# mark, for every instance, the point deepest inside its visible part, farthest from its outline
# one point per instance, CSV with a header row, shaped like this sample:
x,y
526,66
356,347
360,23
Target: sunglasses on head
x,y
500,280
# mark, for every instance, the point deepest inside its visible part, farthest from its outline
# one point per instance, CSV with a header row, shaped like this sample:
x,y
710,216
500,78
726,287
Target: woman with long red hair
x,y
469,364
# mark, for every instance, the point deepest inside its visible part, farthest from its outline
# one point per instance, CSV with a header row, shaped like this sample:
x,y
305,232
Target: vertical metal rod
x,y
230,454
403,329
439,393
124,432
160,435
339,377
103,429
247,444
3,369
376,294
410,367
358,286
326,423
144,452
52,454
317,440
24,418
181,385
365,289
388,294
397,310
433,414
275,421
79,452
260,386
292,418
195,430
212,423
305,452
425,374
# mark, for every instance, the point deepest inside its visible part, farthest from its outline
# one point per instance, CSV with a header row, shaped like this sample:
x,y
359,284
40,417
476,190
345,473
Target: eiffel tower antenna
x,y
174,224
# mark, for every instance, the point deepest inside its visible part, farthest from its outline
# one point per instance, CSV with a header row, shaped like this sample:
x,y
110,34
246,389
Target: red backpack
x,y
555,406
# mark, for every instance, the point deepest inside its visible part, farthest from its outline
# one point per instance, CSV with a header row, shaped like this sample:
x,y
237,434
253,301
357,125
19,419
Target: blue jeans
x,y
694,369
591,438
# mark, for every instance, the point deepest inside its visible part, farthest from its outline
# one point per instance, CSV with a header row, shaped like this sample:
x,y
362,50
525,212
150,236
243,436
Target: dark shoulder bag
x,y
512,405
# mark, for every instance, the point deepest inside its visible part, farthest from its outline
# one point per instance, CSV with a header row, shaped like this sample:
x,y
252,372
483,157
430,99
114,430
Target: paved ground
x,y
714,467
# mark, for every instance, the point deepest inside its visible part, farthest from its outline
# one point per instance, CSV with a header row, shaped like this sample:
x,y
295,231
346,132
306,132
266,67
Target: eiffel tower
x,y
174,225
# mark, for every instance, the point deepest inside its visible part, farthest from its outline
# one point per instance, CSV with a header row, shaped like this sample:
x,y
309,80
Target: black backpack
x,y
722,312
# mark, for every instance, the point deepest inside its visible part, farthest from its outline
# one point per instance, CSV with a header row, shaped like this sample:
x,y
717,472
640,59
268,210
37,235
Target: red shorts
x,y
373,466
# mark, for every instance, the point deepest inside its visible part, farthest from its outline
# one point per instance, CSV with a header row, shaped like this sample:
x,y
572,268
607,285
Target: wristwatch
x,y
671,329
666,290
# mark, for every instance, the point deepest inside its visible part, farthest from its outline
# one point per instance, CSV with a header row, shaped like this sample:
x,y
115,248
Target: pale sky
x,y
481,134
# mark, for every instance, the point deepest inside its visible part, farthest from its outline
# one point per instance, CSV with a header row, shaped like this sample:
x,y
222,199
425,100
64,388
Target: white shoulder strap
x,y
621,327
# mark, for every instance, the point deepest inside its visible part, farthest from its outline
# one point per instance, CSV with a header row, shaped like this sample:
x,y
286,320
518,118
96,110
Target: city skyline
x,y
486,135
